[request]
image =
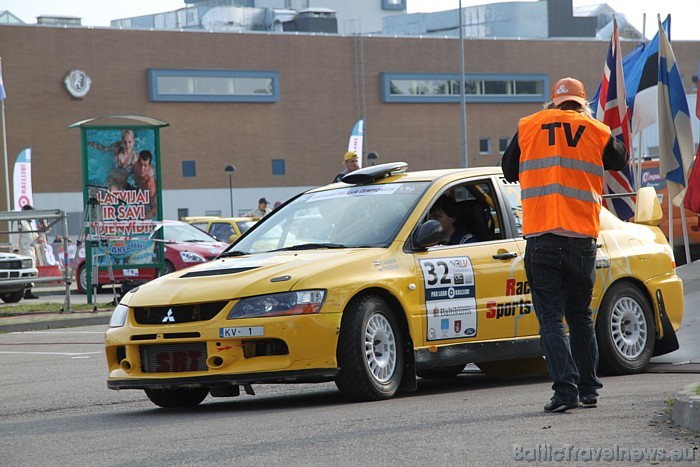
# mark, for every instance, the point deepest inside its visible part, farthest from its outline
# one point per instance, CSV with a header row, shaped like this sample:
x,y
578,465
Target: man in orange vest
x,y
559,154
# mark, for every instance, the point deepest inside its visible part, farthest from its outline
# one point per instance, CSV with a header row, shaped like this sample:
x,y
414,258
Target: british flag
x,y
612,110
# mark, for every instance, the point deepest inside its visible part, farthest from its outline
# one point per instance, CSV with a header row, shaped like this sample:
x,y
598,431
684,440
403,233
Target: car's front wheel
x,y
625,330
370,351
12,297
168,398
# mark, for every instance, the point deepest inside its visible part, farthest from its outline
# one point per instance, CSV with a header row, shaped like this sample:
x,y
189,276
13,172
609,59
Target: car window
x,y
471,210
221,231
182,232
512,194
243,226
200,225
361,216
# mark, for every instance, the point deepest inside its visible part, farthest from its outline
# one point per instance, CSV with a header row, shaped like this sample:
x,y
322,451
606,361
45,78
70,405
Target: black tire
x,y
626,330
370,351
445,372
12,297
81,283
168,398
169,267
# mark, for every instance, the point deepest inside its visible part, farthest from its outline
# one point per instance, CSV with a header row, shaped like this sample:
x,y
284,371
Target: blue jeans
x,y
561,273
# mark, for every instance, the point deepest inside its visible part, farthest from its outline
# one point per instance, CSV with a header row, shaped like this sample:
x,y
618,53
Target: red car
x,y
185,245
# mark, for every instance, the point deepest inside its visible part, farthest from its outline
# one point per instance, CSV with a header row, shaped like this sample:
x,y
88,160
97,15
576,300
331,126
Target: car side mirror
x,y
429,233
647,210
232,238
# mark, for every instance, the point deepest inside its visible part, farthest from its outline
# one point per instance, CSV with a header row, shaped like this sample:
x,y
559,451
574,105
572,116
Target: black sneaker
x,y
558,405
30,296
588,402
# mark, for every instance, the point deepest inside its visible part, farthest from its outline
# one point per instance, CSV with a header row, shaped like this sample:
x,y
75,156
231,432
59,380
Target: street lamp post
x,y
229,170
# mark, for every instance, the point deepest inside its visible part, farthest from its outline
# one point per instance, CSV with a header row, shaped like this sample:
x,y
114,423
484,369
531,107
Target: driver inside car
x,y
445,211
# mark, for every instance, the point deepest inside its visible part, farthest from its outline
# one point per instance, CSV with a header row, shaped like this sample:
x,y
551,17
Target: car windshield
x,y
185,233
359,216
243,226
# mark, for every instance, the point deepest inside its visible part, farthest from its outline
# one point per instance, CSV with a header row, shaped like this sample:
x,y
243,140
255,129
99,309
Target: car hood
x,y
245,276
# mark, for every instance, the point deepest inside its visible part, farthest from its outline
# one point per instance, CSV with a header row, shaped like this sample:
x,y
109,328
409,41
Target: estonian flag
x,y
641,67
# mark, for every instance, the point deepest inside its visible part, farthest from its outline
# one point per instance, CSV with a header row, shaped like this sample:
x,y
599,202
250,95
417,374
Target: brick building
x,y
292,134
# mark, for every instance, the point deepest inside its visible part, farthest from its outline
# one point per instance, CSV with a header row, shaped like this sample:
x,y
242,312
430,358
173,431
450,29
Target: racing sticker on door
x,y
450,297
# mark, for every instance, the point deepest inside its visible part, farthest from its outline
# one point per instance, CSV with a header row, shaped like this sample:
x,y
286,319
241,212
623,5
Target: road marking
x,y
57,332
69,354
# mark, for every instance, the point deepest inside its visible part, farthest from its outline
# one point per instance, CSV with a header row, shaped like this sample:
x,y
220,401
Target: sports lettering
x,y
571,139
506,310
514,287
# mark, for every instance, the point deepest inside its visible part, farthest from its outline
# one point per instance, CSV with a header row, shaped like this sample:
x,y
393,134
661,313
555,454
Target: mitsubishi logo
x,y
169,318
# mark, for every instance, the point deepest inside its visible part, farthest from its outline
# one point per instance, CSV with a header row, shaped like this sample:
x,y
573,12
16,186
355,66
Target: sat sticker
x,y
450,297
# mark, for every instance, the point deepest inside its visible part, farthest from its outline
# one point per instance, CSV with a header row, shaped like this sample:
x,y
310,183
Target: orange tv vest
x,y
561,172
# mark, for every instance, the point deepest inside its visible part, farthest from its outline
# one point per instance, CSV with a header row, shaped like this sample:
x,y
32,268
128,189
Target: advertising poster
x,y
122,196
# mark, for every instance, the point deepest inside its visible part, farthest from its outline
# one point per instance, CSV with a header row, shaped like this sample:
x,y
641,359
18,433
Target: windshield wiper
x,y
233,253
311,246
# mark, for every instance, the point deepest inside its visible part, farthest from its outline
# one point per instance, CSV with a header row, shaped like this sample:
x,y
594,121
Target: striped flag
x,y
612,110
2,86
675,133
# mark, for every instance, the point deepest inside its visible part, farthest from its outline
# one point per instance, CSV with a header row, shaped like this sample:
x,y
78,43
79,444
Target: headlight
x,y
287,303
189,257
118,316
27,263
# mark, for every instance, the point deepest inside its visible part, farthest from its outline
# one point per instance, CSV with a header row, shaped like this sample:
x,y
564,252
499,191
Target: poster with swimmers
x,y
122,190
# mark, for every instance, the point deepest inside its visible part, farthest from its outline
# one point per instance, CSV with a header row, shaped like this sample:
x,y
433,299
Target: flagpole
x,y
4,151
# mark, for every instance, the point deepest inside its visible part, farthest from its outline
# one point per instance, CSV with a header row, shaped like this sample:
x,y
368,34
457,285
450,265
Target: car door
x,y
475,291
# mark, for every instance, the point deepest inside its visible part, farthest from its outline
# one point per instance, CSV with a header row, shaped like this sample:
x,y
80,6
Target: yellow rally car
x,y
224,229
350,283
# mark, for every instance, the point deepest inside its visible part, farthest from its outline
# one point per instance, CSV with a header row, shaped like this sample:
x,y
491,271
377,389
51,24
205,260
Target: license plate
x,y
131,272
242,331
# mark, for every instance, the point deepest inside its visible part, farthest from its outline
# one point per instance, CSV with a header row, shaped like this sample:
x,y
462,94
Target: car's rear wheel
x,y
169,267
370,351
167,398
81,283
625,330
12,297
444,372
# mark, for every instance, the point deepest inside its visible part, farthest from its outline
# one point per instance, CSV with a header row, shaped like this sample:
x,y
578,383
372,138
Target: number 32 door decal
x,y
450,297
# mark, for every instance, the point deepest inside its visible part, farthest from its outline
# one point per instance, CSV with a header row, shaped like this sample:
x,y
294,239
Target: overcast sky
x,y
684,13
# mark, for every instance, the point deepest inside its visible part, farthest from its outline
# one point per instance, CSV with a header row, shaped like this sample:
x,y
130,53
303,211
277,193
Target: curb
x,y
686,408
67,320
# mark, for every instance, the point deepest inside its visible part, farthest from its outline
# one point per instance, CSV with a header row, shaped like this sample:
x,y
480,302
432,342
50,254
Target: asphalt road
x,y
55,409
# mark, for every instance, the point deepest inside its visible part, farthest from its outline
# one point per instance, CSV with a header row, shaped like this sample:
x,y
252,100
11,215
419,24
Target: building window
x,y
503,144
182,213
393,4
278,167
189,168
694,83
212,86
437,88
484,145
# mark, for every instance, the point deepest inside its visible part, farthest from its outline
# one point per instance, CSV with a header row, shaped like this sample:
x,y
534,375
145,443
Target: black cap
x,y
27,207
262,200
